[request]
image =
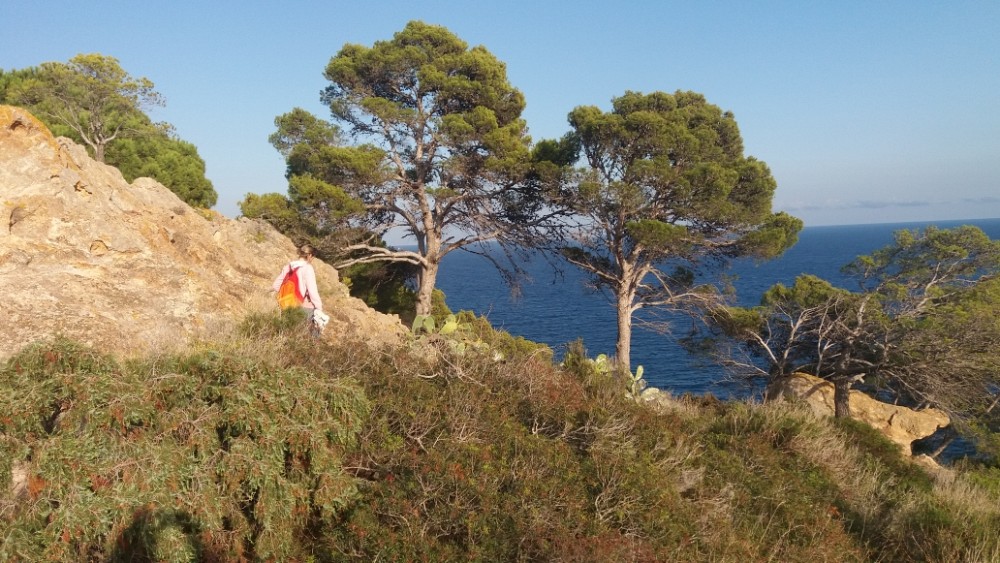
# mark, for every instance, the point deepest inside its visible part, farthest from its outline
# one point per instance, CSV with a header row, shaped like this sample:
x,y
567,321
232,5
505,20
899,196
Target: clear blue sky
x,y
866,112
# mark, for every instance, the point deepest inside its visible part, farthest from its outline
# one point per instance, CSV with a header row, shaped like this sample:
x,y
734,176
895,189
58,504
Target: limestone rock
x,y
19,480
129,267
902,425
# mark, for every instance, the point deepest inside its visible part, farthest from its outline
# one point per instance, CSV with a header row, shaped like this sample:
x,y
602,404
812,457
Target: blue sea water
x,y
558,309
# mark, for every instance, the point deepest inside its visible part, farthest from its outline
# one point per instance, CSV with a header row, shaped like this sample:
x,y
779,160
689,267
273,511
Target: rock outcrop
x,y
129,267
902,425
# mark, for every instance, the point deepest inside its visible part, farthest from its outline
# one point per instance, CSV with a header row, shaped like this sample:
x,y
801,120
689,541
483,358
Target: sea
x,y
555,307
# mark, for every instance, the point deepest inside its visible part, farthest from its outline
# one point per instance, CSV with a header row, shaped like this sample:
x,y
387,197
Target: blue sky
x,y
866,112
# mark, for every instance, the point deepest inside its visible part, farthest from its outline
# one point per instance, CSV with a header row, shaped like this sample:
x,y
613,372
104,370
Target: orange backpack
x,y
289,293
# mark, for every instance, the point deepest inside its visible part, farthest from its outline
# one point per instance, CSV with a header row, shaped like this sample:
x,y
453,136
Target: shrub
x,y
212,454
270,446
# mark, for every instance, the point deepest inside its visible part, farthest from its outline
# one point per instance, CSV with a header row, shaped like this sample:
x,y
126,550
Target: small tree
x,y
809,327
94,102
443,155
91,95
940,288
667,194
314,210
922,327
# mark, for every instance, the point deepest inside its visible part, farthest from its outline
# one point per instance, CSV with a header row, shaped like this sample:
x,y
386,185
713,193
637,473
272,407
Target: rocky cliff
x,y
900,424
130,267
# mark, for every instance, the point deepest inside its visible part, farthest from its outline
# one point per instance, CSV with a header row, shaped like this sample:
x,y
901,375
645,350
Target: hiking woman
x,y
312,304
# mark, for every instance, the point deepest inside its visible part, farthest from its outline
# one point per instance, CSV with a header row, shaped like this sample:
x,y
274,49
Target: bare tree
x,y
922,328
810,327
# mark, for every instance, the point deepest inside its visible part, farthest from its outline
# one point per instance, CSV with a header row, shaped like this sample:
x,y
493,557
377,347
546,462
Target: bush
x,y
277,447
213,454
500,461
383,287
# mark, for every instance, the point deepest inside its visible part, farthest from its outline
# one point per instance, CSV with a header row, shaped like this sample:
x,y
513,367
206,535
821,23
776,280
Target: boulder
x,y
902,425
130,267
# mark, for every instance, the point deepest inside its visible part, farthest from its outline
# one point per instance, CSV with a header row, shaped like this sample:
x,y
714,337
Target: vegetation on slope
x,y
266,446
92,100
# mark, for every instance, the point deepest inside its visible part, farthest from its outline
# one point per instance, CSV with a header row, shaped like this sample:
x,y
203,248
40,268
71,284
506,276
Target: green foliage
x,y
602,366
783,484
524,462
13,83
91,95
170,161
657,234
439,305
588,369
672,158
299,128
807,291
737,322
779,233
560,153
809,327
423,324
577,360
950,354
490,464
212,454
636,384
309,193
276,209
986,477
502,342
939,297
920,519
444,150
383,287
922,330
292,217
270,325
456,335
93,101
666,182
933,260
879,451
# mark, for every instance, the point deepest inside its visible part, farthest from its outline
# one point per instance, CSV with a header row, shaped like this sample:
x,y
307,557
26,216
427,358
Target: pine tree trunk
x,y
623,350
428,281
842,397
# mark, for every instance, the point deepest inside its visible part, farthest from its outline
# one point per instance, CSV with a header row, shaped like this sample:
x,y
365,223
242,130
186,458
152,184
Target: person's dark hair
x,y
305,251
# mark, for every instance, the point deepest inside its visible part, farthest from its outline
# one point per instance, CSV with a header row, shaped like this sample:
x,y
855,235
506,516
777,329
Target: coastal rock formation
x,y
900,424
131,267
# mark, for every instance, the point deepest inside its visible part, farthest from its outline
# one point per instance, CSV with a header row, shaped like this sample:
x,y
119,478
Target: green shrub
x,y
506,344
382,286
275,447
497,461
986,477
212,454
273,325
